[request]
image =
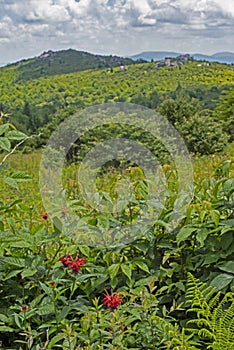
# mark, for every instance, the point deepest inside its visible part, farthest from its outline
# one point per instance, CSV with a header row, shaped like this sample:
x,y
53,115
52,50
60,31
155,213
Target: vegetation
x,y
41,103
163,289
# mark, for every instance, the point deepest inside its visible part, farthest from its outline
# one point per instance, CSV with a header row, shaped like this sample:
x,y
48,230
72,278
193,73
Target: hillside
x,y
35,103
65,61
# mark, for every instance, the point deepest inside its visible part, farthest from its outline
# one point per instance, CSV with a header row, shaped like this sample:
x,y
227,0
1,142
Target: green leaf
x,y
127,270
11,182
20,176
5,144
46,309
184,233
12,274
142,266
55,340
113,270
4,128
6,329
63,313
202,235
221,281
227,267
13,261
84,250
28,273
15,135
215,216
46,289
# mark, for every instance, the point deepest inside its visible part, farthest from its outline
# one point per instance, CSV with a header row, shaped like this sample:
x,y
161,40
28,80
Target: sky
x,y
121,27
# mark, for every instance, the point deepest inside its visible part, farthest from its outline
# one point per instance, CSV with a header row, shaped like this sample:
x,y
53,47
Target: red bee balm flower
x,y
112,300
72,264
67,261
77,264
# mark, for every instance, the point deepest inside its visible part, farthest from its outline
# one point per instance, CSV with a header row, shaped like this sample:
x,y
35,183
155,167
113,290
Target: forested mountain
x,y
66,61
191,95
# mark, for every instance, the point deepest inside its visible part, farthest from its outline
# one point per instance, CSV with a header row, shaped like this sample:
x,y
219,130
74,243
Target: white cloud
x,y
115,26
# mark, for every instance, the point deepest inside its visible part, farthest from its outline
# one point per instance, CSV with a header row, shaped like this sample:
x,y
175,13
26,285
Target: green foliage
x,y
215,314
42,102
202,134
8,135
225,112
66,61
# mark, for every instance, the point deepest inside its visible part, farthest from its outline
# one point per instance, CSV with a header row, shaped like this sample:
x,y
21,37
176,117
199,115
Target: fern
x,y
214,312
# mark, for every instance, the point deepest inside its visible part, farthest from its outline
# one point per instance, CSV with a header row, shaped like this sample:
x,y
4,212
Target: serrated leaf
x,y
13,261
84,250
15,135
4,318
184,233
63,313
20,176
142,266
215,216
202,235
221,281
28,273
127,270
46,289
12,274
113,270
46,309
3,128
5,144
11,182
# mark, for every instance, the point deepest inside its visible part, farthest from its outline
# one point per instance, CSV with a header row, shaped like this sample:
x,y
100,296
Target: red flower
x,y
77,264
112,300
67,261
72,264
24,308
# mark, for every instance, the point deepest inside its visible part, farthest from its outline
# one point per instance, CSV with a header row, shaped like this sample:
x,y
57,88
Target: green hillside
x,y
195,88
66,61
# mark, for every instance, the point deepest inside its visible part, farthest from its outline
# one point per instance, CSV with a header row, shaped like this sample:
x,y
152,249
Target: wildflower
x,y
77,264
72,264
67,261
24,308
53,284
112,300
44,215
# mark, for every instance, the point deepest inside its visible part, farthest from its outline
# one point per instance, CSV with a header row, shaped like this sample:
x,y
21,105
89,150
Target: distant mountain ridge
x,y
66,61
222,57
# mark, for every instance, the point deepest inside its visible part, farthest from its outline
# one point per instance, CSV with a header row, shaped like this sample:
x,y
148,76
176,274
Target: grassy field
x,y
204,167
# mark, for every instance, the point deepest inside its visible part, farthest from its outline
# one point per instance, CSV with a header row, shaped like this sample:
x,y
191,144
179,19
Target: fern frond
x,y
215,314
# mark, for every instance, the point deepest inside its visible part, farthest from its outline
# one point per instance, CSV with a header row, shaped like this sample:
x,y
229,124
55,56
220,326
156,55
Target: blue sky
x,y
122,27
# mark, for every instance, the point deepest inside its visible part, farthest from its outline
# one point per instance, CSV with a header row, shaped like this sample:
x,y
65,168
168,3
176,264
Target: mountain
x,y
222,57
155,55
66,61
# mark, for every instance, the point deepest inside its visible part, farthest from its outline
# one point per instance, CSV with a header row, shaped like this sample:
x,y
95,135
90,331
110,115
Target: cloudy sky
x,y
123,27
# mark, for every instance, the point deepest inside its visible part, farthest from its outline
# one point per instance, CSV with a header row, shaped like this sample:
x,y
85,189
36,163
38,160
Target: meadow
x,y
81,278
160,290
